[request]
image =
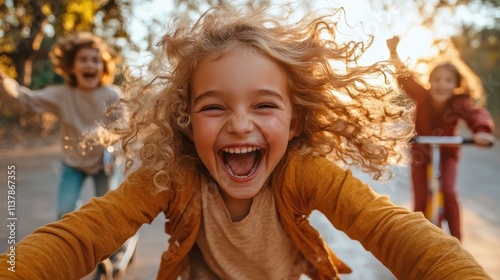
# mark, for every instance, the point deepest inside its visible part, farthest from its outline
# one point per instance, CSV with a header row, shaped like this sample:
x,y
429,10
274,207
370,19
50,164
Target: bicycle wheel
x,y
104,270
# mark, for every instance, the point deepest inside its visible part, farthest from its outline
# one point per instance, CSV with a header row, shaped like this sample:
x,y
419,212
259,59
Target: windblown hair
x,y
344,111
64,52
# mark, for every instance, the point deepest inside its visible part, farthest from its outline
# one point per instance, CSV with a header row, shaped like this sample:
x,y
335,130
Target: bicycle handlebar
x,y
444,140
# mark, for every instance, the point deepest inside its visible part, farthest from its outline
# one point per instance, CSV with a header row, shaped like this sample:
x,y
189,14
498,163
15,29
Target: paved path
x,y
478,184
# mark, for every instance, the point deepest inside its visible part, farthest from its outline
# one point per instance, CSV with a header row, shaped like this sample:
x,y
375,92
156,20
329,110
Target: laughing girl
x,y
87,64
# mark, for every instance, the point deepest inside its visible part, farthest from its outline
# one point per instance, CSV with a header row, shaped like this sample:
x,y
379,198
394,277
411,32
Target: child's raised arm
x,y
407,81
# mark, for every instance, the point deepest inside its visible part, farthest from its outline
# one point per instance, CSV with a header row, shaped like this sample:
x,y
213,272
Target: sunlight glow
x,y
360,21
416,44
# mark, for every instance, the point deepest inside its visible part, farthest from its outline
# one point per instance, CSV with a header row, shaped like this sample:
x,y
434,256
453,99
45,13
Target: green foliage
x,y
481,51
23,40
43,75
22,22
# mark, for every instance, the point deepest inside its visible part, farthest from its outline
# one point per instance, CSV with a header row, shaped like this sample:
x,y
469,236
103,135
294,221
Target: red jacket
x,y
430,122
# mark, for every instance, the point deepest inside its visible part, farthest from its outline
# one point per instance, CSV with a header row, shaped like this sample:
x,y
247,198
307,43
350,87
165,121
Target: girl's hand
x,y
483,139
2,76
392,44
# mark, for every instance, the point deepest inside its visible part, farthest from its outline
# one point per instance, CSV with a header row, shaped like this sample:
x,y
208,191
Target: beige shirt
x,y
79,112
256,247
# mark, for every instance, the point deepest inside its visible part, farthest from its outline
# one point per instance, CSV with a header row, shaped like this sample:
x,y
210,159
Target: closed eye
x,y
266,106
211,108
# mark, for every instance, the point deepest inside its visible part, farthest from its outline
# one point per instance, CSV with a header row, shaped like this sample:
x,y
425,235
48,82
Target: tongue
x,y
240,164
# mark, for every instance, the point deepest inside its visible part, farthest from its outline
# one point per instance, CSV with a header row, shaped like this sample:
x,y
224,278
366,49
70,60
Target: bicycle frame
x,y
435,206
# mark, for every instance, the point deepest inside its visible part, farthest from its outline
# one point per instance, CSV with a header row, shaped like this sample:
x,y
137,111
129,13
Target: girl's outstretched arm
x,y
73,246
21,99
405,242
478,118
9,96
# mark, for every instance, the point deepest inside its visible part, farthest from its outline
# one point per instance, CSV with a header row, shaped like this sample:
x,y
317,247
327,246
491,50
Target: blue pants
x,y
70,185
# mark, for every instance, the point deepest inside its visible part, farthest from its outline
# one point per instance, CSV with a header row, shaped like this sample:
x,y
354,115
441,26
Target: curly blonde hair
x,y
63,55
343,112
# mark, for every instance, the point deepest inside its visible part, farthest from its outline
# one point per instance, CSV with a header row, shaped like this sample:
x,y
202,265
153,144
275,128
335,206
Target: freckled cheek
x,y
205,133
204,143
201,133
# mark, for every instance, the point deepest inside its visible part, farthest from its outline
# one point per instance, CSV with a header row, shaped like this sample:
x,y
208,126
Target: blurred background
x,y
468,30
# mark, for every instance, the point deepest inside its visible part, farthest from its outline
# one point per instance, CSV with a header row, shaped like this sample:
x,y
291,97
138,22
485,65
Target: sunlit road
x,y
478,184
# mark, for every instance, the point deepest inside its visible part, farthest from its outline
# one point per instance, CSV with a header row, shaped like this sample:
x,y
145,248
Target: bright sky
x,y
415,41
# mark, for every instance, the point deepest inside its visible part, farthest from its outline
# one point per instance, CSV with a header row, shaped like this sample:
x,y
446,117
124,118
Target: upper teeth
x,y
240,150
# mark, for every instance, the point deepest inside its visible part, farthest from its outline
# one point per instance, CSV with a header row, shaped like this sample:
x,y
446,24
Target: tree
x,y
22,23
25,23
481,50
27,31
440,14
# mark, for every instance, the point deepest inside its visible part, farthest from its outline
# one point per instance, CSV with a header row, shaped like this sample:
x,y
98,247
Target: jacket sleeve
x,y
73,246
405,242
413,88
478,119
22,99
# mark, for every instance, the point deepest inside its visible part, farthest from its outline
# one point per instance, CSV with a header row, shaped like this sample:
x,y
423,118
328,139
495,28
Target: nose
x,y
91,63
240,124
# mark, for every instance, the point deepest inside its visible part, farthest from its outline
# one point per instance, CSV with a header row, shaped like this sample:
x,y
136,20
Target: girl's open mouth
x,y
241,162
89,75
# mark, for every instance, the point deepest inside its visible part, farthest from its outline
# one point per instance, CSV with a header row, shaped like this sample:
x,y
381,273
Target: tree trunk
x,y
28,47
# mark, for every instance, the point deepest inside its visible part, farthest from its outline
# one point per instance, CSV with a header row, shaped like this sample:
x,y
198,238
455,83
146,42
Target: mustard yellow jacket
x,y
406,243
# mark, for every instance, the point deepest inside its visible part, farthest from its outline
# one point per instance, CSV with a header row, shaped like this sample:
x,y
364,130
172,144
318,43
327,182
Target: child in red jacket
x,y
437,112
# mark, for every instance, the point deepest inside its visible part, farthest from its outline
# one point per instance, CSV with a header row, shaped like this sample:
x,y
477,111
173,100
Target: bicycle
x,y
434,211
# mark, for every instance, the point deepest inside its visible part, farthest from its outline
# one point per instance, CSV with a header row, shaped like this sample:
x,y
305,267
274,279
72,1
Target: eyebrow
x,y
266,92
204,95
